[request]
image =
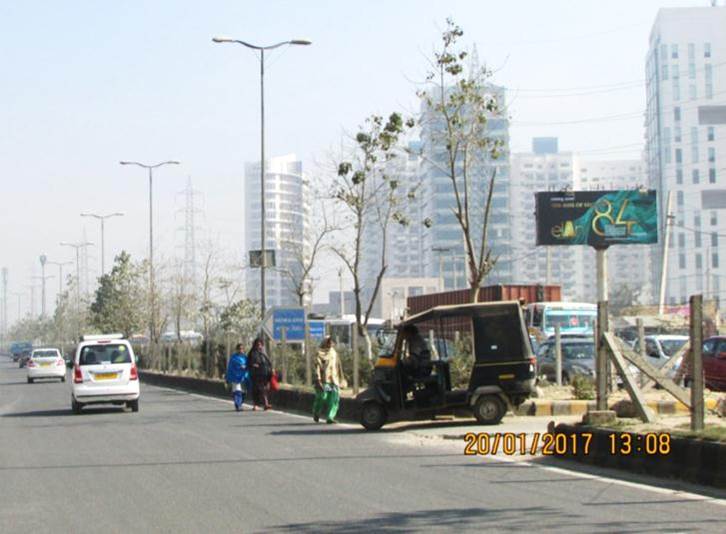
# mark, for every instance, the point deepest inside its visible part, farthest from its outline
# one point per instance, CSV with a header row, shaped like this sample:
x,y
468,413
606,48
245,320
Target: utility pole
x,y
441,250
43,260
77,247
152,298
5,304
32,299
342,300
664,259
102,218
42,279
548,273
60,265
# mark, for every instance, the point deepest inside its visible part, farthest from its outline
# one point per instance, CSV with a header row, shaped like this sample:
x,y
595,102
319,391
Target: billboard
x,y
597,218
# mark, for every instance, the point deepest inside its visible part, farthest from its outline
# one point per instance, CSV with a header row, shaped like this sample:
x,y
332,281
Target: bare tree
x,y
463,102
305,255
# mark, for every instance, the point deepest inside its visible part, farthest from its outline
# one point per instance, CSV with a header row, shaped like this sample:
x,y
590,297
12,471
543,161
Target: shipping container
x,y
527,292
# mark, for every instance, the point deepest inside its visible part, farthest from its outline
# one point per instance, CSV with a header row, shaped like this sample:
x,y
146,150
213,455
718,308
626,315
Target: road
x,y
187,463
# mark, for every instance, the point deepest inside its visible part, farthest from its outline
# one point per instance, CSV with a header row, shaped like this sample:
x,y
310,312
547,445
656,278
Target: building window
x,y
677,118
679,155
674,51
711,154
695,176
706,50
677,133
664,71
691,51
681,261
679,198
714,260
679,176
694,153
676,89
697,221
711,175
699,262
711,133
697,239
714,218
692,91
681,240
714,239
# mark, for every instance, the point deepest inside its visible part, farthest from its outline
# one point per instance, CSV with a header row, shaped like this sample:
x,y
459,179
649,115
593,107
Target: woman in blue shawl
x,y
238,376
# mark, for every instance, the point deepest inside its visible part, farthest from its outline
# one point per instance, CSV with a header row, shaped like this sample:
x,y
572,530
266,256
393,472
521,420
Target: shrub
x,y
583,387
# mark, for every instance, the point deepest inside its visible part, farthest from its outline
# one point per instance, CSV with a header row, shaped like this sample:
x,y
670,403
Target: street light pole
x,y
261,49
152,304
78,247
103,218
43,259
441,250
42,279
60,265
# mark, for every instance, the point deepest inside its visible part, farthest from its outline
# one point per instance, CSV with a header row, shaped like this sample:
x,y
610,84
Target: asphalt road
x,y
186,463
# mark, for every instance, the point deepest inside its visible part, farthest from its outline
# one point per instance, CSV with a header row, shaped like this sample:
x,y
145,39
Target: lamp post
x,y
150,168
60,265
43,259
102,218
78,247
42,279
261,49
441,250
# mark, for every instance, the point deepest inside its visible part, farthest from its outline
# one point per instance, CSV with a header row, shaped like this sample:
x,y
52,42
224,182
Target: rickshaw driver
x,y
417,364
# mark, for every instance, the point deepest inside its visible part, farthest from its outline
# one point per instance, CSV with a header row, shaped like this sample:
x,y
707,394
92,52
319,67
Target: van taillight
x,y
134,372
77,375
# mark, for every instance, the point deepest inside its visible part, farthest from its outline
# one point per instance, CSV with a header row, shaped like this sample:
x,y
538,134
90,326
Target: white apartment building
x,y
545,168
686,145
288,207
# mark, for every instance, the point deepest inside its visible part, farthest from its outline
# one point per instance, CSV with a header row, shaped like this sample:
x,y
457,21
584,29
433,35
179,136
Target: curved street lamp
x,y
150,168
103,218
261,49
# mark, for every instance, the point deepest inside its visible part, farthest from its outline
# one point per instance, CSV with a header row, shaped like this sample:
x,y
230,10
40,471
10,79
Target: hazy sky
x,y
84,84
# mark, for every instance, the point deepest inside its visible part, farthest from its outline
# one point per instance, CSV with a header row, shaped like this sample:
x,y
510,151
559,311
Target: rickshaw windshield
x,y
386,340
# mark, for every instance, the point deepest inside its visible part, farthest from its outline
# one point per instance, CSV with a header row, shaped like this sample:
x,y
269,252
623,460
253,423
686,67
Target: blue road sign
x,y
293,320
317,330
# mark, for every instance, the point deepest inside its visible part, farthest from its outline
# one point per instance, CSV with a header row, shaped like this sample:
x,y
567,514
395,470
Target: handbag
x,y
274,382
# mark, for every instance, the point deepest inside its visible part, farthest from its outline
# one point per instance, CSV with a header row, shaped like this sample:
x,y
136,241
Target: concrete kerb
x,y
693,460
290,398
298,399
623,408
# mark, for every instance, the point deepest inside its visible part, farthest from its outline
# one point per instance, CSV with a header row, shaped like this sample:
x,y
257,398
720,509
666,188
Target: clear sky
x,y
84,84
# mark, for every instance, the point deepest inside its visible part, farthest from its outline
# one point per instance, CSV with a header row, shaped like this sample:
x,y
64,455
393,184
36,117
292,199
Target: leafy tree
x,y
460,102
119,304
241,319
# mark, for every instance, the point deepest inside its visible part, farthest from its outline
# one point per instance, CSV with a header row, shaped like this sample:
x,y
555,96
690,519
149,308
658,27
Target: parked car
x,y
578,358
714,364
661,348
105,372
46,363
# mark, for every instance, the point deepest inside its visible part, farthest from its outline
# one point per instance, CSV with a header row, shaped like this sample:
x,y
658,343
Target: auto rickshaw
x,y
412,375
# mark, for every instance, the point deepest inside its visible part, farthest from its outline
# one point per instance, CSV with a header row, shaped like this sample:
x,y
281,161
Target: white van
x,y
105,372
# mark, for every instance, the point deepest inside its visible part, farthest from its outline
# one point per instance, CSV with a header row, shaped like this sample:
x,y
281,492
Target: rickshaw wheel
x,y
373,415
489,410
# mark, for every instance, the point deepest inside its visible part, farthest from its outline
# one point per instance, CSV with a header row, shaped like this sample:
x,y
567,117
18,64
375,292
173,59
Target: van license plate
x,y
105,376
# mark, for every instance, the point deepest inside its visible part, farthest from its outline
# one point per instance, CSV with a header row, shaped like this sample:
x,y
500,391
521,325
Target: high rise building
x,y
288,207
542,169
686,145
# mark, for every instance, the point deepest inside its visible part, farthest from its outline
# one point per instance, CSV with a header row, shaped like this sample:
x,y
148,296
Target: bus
x,y
340,329
572,318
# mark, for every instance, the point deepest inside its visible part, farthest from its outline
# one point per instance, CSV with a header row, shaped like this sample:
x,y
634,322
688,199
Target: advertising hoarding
x,y
597,218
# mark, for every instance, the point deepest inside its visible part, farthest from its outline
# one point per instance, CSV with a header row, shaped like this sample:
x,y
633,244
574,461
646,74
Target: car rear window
x,y
99,354
45,354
